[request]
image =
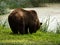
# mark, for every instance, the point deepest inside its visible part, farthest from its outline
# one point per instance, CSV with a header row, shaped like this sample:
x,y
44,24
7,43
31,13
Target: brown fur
x,y
20,20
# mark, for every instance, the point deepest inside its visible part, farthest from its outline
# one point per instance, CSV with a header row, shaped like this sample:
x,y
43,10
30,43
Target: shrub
x,y
3,8
18,3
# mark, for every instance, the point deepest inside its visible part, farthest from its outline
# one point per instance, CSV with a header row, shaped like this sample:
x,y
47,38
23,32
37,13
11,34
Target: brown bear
x,y
23,21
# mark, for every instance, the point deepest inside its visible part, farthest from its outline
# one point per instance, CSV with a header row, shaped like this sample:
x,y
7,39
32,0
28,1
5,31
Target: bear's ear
x,y
33,11
40,23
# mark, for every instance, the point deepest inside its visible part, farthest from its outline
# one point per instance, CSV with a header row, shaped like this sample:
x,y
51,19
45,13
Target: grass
x,y
38,38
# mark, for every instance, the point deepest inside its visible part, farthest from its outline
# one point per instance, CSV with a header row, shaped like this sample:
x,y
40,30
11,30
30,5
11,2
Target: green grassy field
x,y
38,38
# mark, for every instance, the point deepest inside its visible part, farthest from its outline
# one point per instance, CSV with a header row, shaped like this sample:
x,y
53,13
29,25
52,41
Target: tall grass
x,y
58,28
3,24
45,25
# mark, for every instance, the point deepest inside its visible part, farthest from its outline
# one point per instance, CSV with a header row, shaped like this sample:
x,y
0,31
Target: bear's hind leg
x,y
14,30
21,28
26,29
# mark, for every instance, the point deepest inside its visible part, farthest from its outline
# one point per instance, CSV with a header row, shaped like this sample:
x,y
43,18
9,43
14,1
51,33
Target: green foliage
x,y
26,3
38,3
18,3
35,3
3,8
